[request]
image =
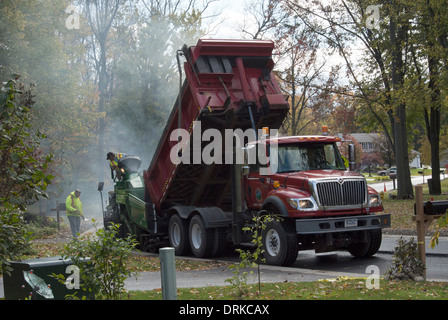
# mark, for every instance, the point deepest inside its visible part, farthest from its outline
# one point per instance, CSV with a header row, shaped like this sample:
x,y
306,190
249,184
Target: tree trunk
x,y
102,87
404,184
433,130
100,15
397,38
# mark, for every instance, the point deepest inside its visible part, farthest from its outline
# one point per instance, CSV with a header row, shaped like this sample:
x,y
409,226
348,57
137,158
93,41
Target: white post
x,y
168,274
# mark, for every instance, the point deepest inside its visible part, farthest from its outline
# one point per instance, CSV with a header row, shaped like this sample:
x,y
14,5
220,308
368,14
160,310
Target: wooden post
x,y
421,227
57,215
423,223
59,207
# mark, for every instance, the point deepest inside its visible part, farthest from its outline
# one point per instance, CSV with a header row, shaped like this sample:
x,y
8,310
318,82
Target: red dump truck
x,y
218,165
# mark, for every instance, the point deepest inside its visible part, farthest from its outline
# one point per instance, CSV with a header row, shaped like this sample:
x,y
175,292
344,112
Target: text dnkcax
x,y
227,309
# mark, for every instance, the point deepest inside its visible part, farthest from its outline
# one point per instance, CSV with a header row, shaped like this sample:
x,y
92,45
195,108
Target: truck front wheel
x,y
279,243
369,248
178,235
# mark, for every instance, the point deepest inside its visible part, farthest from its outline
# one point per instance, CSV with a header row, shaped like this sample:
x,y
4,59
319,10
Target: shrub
x,y
406,264
102,262
249,258
23,168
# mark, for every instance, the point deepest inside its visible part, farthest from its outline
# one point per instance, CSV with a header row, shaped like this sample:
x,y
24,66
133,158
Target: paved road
x,y
308,267
389,184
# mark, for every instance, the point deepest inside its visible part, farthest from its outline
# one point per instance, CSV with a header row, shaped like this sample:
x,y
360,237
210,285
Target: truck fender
x,y
213,217
183,211
272,202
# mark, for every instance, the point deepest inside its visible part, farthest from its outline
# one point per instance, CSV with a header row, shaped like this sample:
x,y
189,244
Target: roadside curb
x,y
390,242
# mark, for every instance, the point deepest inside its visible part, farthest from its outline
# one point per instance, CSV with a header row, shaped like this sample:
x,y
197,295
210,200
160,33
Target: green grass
x,y
337,289
402,211
137,263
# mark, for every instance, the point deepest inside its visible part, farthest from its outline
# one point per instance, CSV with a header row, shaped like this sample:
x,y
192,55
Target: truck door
x,y
257,186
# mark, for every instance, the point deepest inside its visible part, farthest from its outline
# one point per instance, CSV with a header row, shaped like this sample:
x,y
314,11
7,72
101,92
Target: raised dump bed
x,y
228,85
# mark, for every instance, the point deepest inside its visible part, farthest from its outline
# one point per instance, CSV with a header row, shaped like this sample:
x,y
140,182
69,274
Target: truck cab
x,y
307,185
311,179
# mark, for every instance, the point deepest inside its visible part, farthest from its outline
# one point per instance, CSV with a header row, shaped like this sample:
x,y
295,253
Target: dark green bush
x,y
406,264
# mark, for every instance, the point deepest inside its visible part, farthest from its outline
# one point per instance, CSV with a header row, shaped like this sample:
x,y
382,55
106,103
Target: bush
x,y
406,263
23,168
102,262
42,227
13,237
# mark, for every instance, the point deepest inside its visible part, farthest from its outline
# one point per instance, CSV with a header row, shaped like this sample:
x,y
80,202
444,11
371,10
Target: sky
x,y
230,22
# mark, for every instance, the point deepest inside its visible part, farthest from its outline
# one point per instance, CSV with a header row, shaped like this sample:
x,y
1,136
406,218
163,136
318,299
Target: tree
x,y
304,79
146,77
36,44
303,73
429,57
384,150
24,168
344,113
398,32
268,16
343,24
101,14
370,159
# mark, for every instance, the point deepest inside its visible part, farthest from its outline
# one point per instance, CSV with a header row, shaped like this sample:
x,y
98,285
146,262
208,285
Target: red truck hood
x,y
300,179
296,184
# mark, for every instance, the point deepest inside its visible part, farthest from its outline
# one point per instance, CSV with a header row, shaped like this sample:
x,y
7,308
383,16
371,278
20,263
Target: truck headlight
x,y
374,200
302,204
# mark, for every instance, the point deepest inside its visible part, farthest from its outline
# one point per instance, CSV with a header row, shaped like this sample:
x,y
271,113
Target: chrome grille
x,y
349,192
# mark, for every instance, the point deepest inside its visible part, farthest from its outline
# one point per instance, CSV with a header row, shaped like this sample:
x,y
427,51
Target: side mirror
x,y
351,157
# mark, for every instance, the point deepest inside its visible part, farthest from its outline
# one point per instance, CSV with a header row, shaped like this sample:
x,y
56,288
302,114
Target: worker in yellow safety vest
x,y
73,206
114,161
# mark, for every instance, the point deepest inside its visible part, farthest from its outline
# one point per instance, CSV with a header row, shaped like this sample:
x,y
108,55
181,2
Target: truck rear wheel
x,y
219,246
369,248
178,235
201,239
279,243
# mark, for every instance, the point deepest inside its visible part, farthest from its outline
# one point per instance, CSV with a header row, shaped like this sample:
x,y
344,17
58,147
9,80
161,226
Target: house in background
x,y
415,159
367,143
366,140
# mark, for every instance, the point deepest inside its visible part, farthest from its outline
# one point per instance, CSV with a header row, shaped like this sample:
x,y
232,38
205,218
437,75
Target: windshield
x,y
303,157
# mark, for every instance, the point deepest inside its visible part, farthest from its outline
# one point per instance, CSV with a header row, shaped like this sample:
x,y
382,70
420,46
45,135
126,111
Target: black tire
x,y
371,247
219,246
178,235
280,243
202,240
